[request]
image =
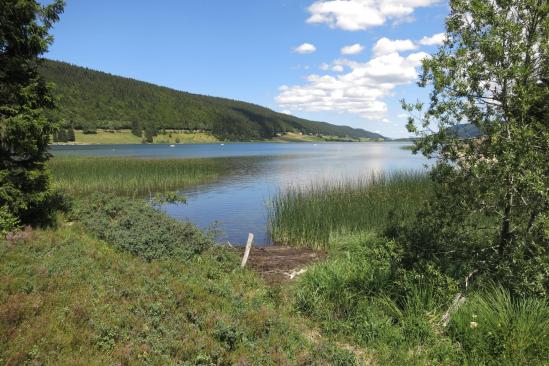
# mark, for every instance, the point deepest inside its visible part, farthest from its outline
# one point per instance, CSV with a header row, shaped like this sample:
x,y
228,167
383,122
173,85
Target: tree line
x,y
91,99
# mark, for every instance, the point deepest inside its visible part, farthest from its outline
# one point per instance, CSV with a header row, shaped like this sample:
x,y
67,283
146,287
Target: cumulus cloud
x,y
305,48
435,39
385,46
338,68
354,15
361,90
353,49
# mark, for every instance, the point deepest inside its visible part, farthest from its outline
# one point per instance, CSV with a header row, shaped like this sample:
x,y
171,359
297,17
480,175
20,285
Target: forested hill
x,y
93,99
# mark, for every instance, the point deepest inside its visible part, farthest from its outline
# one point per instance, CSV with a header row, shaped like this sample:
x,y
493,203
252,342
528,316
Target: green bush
x,y
136,227
458,244
496,329
8,222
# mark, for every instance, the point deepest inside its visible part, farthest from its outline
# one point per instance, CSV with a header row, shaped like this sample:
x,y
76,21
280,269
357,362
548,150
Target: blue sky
x,y
250,50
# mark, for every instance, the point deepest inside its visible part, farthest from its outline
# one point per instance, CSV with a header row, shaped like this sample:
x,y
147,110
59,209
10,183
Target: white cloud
x,y
353,49
435,39
305,48
324,66
286,111
360,91
402,115
354,15
338,68
385,46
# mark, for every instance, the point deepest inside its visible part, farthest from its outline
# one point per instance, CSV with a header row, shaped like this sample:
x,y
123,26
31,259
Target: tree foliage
x,y
492,200
98,100
24,95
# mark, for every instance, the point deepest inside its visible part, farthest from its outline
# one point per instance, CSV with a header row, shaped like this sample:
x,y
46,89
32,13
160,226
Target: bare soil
x,y
281,264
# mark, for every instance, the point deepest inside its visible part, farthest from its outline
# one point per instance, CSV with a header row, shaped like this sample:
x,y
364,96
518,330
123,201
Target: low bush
x,y
134,226
8,222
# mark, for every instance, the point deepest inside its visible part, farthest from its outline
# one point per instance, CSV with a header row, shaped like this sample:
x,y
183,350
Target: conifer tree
x,y
24,96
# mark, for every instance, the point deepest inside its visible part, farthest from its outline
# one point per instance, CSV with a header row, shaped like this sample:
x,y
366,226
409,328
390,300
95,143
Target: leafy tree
x,y
150,132
136,129
24,95
62,135
70,134
491,210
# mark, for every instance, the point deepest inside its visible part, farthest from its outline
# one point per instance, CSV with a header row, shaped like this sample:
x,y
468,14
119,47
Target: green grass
x,y
126,137
69,299
309,216
104,137
508,331
131,176
361,296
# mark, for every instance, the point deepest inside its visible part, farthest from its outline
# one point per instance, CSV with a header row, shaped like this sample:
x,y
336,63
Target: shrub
x,y
134,226
8,222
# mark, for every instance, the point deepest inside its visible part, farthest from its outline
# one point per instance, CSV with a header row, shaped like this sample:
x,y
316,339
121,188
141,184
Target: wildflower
x,y
473,325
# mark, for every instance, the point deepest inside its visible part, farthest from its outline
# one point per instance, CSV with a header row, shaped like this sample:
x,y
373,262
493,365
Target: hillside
x,y
465,131
93,99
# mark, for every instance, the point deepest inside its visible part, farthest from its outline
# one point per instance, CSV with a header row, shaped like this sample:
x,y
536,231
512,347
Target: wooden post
x,y
459,299
248,248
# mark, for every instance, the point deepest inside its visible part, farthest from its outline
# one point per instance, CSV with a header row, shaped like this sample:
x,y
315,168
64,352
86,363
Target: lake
x,y
237,203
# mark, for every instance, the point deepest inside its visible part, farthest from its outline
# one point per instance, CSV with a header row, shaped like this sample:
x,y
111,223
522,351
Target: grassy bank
x,y
69,299
131,176
362,295
126,137
308,216
297,137
124,284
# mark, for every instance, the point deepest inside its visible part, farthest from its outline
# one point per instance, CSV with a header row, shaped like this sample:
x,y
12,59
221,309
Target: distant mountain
x,y
464,131
94,99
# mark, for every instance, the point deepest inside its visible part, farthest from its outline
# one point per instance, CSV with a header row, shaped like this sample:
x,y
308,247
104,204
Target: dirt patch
x,y
279,264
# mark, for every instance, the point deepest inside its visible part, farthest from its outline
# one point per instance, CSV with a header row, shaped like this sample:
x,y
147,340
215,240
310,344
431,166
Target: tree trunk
x,y
505,232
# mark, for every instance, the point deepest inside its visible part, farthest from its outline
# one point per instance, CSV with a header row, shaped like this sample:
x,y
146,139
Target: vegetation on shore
x,y
448,270
67,298
125,136
311,215
364,294
132,176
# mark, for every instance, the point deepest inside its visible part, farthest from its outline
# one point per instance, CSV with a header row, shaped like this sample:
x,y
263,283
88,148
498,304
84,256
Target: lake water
x,y
237,203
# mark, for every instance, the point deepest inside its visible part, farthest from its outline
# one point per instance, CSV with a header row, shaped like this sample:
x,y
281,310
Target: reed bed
x,y
131,176
308,216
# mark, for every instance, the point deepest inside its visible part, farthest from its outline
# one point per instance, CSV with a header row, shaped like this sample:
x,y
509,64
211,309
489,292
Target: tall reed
x,y
131,176
308,216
